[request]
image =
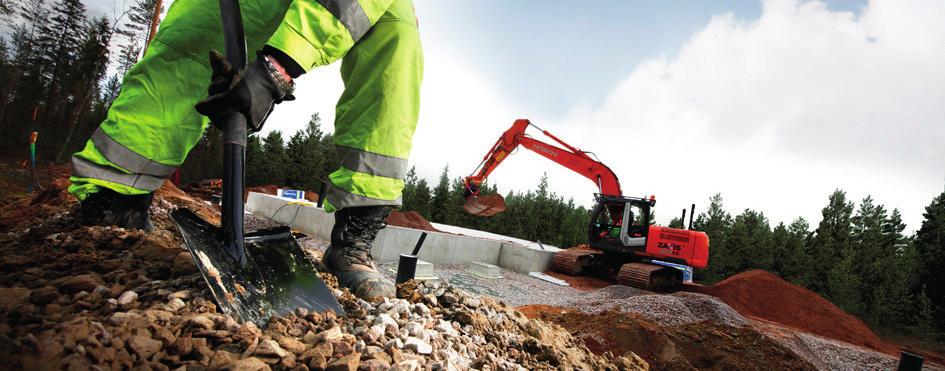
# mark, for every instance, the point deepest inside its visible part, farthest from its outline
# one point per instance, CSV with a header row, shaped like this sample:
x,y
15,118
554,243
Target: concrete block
x,y
485,270
424,270
522,259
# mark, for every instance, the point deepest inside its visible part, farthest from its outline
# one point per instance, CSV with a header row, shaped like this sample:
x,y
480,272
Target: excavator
x,y
623,244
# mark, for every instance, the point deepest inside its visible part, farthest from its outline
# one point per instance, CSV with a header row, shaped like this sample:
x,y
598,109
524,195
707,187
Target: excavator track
x,y
648,277
571,262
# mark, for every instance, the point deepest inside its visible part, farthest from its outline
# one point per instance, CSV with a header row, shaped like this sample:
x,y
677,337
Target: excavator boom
x,y
569,156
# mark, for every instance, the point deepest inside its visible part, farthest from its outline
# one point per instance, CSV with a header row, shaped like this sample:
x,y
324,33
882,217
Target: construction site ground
x,y
77,297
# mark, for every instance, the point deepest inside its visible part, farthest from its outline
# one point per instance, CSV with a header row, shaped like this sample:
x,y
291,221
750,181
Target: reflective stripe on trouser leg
x,y
377,113
153,117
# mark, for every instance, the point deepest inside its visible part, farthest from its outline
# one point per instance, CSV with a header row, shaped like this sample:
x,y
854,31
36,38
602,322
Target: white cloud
x,y
777,112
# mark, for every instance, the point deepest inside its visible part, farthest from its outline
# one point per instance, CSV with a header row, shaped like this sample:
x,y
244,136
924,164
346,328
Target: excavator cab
x,y
620,224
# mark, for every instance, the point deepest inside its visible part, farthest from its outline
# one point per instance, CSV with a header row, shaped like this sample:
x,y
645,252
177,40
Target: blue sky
x,y
552,55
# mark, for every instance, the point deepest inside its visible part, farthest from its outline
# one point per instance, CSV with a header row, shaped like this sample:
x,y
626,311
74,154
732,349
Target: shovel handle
x,y
234,138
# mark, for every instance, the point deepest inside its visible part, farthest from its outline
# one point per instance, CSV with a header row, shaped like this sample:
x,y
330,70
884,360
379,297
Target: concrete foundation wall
x,y
438,248
521,259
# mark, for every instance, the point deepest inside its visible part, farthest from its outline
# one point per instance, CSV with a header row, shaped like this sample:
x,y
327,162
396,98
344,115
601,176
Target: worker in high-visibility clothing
x,y
152,125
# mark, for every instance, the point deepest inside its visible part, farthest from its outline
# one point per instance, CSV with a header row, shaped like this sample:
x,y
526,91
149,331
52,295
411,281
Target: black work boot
x,y
107,207
349,256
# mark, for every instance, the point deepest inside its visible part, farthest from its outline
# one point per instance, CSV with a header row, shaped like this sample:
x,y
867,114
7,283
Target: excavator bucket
x,y
486,205
278,277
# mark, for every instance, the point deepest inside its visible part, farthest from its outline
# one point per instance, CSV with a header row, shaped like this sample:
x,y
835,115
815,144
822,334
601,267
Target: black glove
x,y
253,91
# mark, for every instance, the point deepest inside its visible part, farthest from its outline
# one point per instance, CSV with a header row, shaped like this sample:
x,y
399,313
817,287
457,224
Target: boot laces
x,y
360,233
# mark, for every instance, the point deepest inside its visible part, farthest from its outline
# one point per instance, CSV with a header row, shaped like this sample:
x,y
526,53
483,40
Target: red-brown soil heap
x,y
410,219
766,296
702,345
583,283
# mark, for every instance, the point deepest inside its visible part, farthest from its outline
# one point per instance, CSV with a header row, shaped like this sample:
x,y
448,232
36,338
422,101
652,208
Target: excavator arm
x,y
569,156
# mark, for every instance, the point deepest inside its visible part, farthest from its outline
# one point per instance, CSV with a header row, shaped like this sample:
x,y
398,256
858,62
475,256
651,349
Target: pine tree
x,y
750,242
89,68
832,240
423,199
255,161
797,258
135,30
676,222
868,253
275,160
441,211
930,244
59,40
716,223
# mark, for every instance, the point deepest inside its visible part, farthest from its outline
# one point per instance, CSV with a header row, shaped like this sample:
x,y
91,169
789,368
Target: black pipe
x,y
416,249
692,214
321,194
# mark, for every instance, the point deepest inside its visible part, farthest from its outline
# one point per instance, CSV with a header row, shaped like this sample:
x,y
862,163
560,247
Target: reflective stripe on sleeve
x,y
88,169
371,163
350,13
127,159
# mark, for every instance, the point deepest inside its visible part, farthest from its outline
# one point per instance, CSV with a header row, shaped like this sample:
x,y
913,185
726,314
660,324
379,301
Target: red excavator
x,y
622,244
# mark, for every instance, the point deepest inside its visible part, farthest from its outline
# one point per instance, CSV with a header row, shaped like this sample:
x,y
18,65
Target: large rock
x,y
347,363
417,345
12,297
43,295
82,282
144,346
250,364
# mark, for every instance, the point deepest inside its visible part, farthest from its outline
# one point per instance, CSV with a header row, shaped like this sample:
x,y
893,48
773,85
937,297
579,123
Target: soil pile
x,y
766,296
410,219
583,283
74,297
702,345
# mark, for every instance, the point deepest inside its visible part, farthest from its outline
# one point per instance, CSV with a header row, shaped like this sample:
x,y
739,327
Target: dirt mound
x,y
583,283
410,219
766,296
702,345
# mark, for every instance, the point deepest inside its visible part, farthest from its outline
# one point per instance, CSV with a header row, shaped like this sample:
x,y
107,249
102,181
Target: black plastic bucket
x,y
407,265
910,362
406,268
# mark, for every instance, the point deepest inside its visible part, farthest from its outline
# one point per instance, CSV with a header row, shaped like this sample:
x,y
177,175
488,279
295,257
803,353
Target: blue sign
x,y
292,194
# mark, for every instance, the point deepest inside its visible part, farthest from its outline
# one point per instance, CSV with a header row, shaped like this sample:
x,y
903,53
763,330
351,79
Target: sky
x,y
774,103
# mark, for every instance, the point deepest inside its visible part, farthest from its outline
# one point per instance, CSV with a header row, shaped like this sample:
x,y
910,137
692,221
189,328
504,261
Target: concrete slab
x,y
424,270
461,246
485,270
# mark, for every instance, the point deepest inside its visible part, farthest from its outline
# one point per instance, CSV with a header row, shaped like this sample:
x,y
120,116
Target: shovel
x,y
263,273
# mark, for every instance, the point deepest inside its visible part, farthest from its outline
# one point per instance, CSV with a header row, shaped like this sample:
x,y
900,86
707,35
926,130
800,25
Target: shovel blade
x,y
277,279
487,205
